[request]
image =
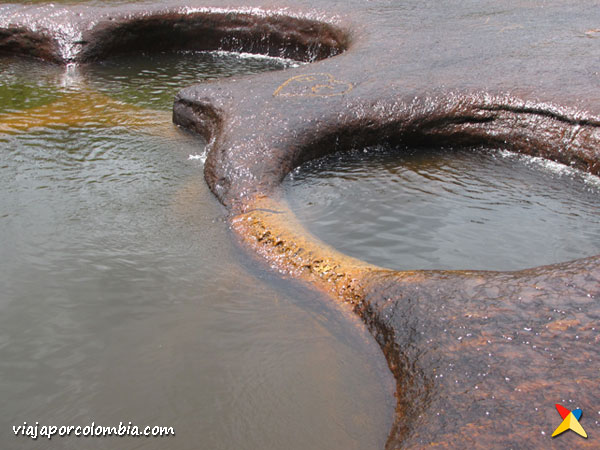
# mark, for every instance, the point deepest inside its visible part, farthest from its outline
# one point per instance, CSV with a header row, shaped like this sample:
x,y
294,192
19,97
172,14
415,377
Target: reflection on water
x,y
123,299
25,83
448,209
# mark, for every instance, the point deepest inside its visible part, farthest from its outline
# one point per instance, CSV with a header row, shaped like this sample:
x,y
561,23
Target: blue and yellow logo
x,y
570,421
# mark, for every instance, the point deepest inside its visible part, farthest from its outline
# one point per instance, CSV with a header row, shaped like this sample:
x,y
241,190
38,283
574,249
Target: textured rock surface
x,y
480,358
83,33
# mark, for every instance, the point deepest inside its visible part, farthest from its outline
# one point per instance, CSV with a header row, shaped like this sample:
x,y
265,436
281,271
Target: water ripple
x,y
449,209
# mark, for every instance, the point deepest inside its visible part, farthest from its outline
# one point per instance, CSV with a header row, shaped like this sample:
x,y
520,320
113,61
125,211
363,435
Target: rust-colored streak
x,y
86,109
271,230
313,85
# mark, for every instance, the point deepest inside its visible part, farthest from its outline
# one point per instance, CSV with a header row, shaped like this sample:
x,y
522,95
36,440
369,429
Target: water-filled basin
x,y
432,208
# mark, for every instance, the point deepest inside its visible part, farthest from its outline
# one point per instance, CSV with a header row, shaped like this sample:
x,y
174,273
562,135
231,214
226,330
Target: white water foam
x,y
553,167
199,156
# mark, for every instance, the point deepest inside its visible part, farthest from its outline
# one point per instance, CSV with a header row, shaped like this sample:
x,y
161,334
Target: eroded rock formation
x,y
479,357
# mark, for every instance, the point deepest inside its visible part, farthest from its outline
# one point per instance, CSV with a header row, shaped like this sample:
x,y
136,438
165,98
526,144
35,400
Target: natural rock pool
x,y
484,209
479,357
124,298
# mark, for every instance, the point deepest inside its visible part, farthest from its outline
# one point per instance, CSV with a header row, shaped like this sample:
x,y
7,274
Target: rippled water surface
x,y
448,209
123,298
152,81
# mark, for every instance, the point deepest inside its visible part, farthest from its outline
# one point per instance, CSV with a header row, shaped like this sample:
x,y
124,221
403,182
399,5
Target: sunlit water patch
x,y
123,298
448,209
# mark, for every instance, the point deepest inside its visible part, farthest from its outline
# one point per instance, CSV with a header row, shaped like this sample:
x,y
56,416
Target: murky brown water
x,y
449,209
123,298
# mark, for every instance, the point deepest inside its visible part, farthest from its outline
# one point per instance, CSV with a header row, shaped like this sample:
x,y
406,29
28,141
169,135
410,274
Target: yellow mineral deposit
x,y
273,231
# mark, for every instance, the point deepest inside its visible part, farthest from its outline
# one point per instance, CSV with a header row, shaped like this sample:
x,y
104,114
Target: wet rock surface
x,y
480,358
483,357
89,32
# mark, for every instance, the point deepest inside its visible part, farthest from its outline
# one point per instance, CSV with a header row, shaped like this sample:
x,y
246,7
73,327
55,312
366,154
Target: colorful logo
x,y
570,421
